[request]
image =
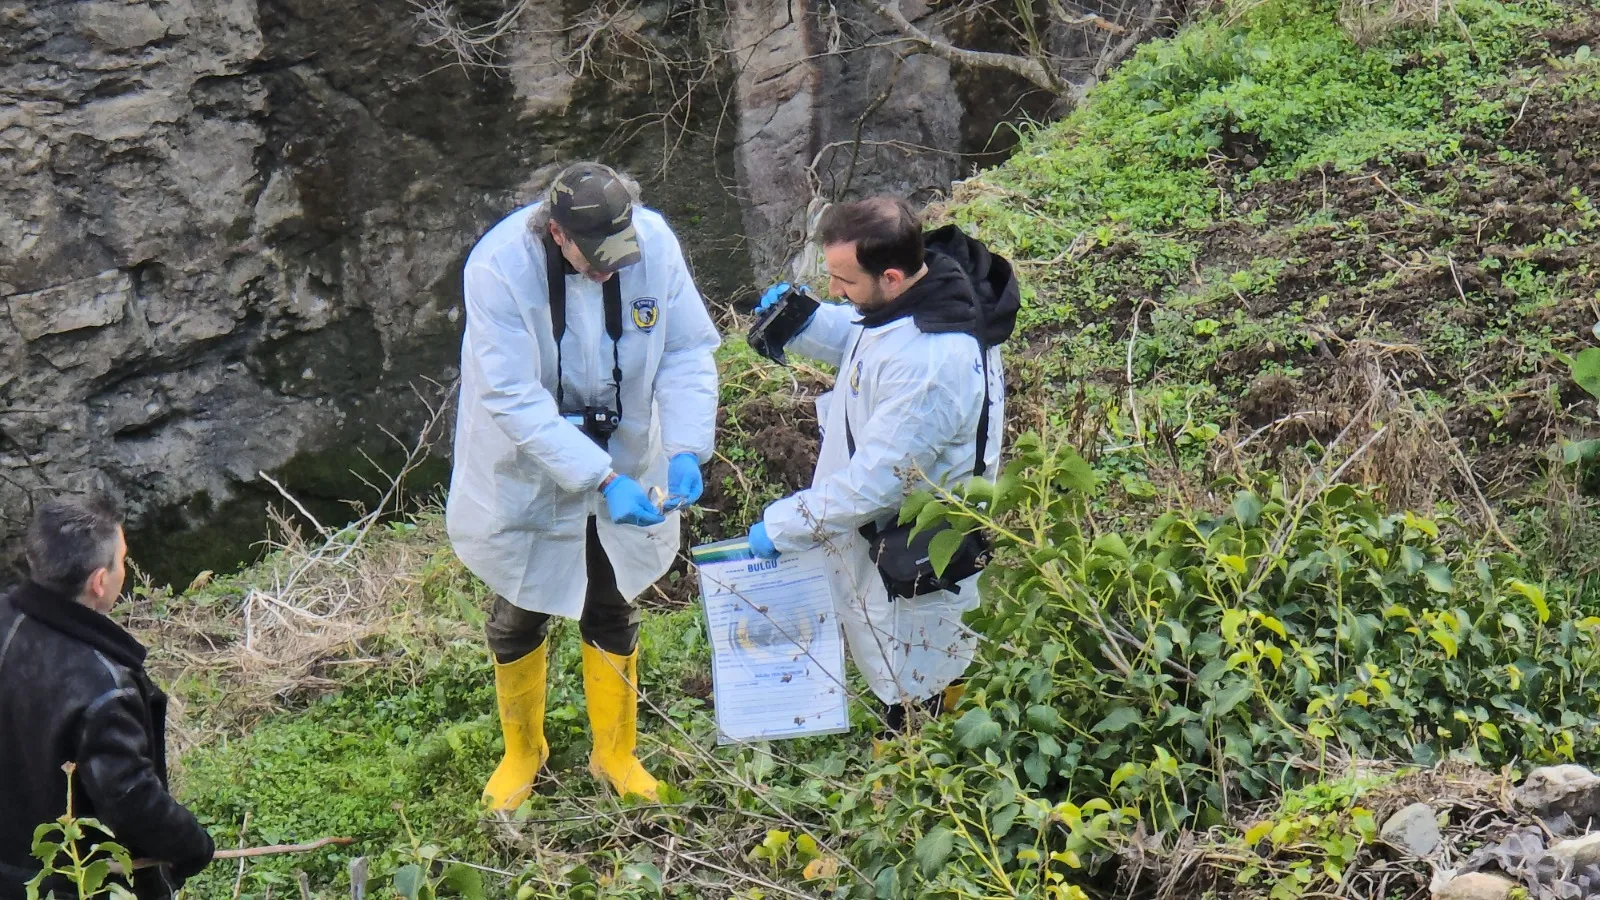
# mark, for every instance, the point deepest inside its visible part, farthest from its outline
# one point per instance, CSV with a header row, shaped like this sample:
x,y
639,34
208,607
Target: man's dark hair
x,y
69,539
887,233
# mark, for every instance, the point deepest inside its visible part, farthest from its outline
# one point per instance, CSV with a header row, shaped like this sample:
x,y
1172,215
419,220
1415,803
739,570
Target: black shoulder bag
x,y
903,561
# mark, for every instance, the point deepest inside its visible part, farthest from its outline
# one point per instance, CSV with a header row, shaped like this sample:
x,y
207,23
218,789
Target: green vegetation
x,y
1368,271
59,847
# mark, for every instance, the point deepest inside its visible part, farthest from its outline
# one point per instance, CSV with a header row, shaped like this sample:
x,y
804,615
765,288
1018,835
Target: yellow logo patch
x,y
646,312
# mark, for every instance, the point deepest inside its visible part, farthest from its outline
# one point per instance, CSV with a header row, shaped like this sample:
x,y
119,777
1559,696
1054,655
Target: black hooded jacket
x,y
967,289
73,689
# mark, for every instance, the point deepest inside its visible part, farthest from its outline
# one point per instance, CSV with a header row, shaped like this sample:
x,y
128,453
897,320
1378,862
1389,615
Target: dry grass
x,y
1413,455
1369,21
294,626
320,602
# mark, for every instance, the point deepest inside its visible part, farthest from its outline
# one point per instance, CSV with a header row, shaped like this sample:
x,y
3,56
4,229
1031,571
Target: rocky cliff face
x,y
231,230
830,106
232,242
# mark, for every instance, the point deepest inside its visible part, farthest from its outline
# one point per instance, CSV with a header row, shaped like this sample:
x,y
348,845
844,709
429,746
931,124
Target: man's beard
x,y
876,301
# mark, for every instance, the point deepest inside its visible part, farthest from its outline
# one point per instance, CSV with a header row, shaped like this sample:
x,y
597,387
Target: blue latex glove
x,y
684,484
628,503
760,544
771,297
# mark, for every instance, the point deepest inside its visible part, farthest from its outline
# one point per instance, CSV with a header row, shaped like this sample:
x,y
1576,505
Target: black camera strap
x,y
556,268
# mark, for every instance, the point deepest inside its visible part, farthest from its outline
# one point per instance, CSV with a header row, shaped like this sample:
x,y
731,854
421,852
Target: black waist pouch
x,y
903,561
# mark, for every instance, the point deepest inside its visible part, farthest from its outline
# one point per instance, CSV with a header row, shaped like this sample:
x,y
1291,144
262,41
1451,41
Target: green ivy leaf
x,y
1446,640
913,505
1112,545
1412,559
930,514
408,881
1535,595
1074,474
1579,451
1439,578
1044,718
934,848
643,873
94,875
1124,772
46,851
468,882
1037,769
1118,719
943,546
1230,697
978,490
1586,370
887,884
1247,508
1000,824
1232,621
976,728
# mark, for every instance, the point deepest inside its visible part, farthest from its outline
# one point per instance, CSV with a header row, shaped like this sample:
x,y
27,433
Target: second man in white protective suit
x,y
919,400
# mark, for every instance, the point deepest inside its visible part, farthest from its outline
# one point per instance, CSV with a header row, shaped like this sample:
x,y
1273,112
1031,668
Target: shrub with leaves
x,y
59,847
1168,676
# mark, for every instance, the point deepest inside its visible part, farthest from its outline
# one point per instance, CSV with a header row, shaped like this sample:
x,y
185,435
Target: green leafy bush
x,y
1167,676
59,847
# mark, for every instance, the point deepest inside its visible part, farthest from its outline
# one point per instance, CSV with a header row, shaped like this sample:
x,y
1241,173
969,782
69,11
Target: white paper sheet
x,y
777,658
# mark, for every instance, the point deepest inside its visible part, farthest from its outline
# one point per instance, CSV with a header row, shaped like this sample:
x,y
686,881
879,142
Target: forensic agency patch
x,y
646,311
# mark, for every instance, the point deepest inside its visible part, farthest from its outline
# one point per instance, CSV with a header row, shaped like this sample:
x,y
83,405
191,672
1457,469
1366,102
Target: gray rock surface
x,y
232,242
1580,851
1551,791
1414,829
233,229
1476,886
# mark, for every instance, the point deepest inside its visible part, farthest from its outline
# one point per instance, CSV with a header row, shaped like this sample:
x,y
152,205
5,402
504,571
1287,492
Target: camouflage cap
x,y
595,210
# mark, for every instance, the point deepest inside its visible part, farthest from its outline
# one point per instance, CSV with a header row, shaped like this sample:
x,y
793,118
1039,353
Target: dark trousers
x,y
609,622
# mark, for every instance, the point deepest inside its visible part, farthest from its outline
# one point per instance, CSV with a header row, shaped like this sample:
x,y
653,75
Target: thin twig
x,y
1133,403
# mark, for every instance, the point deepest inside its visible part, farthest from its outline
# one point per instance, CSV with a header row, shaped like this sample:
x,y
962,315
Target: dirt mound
x,y
767,447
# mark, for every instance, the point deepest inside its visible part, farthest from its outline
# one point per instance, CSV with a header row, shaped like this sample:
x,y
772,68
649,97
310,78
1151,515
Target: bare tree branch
x,y
1130,39
1023,66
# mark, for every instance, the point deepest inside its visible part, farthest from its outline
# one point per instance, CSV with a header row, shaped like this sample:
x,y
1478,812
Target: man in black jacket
x,y
73,689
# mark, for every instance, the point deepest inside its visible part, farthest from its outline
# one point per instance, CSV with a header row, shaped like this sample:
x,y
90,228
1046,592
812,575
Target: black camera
x,y
780,322
598,422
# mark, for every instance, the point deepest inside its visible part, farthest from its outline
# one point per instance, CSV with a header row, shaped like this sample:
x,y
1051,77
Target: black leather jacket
x,y
73,689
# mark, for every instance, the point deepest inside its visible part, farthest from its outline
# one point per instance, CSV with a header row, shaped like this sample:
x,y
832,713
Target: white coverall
x,y
524,479
914,401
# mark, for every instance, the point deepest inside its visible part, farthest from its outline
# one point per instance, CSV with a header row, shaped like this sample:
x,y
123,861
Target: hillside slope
x,y
1275,236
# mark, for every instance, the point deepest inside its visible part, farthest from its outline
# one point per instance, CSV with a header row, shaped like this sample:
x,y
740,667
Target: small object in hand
x,y
658,496
778,322
684,484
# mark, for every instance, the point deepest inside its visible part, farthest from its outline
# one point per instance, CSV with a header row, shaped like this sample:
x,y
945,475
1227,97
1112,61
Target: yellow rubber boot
x,y
611,688
520,687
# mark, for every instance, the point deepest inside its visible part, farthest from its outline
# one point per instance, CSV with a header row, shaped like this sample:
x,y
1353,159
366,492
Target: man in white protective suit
x,y
919,398
587,379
